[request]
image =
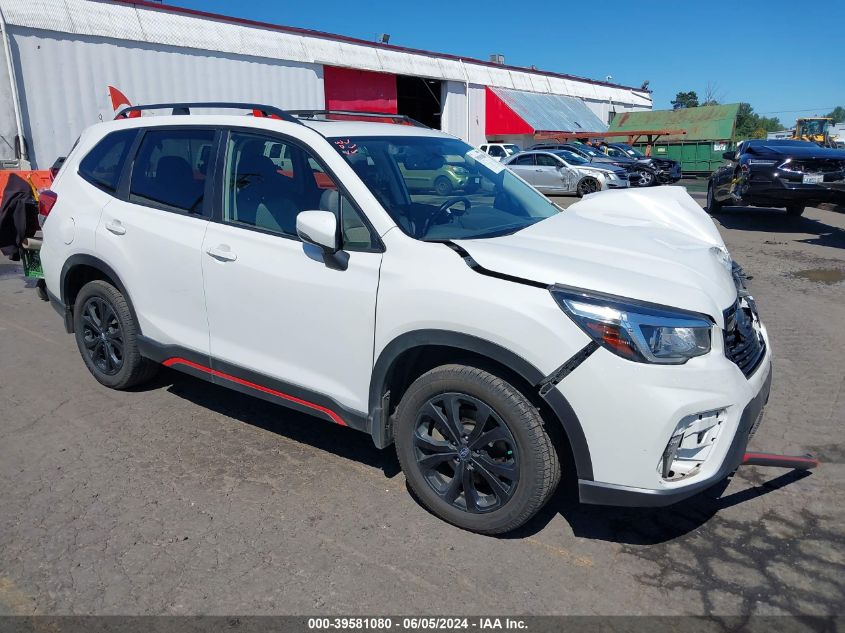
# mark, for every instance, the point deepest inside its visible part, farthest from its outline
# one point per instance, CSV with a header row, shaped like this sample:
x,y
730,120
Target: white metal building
x,y
58,59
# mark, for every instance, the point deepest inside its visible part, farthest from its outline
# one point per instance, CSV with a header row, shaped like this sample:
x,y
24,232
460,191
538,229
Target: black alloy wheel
x,y
106,333
466,452
474,449
102,335
587,185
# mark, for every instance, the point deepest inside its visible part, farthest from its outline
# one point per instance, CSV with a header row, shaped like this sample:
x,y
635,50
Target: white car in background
x,y
485,332
499,151
564,172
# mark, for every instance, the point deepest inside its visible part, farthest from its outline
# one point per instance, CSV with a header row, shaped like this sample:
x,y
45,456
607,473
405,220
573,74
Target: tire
x,y
795,210
442,186
587,185
647,178
519,454
100,345
713,205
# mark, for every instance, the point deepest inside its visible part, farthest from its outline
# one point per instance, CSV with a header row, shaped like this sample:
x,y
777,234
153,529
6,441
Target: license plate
x,y
813,179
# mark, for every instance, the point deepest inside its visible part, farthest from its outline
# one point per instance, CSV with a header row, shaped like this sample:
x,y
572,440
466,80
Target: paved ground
x,y
187,498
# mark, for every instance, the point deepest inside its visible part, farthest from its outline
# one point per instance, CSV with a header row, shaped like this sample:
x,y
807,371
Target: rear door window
x,y
170,169
527,159
104,163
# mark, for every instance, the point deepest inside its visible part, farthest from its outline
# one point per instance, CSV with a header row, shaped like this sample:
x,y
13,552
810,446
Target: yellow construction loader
x,y
814,129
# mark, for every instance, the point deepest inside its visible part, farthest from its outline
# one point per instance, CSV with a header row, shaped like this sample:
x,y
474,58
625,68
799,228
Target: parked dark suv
x,y
778,173
661,171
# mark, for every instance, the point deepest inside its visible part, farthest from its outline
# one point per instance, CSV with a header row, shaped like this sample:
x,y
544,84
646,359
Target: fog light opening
x,y
690,445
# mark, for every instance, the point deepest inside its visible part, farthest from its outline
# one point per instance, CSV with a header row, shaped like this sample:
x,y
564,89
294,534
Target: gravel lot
x,y
188,498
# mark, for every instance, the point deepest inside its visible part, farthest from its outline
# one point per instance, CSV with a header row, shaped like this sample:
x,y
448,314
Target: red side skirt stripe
x,y
170,362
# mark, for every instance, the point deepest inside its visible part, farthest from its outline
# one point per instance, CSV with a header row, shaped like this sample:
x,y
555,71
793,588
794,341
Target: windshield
x,y
592,151
439,189
779,142
571,157
511,149
630,151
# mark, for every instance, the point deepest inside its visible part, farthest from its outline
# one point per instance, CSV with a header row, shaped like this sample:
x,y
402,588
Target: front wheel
x,y
443,186
474,450
647,178
713,205
587,185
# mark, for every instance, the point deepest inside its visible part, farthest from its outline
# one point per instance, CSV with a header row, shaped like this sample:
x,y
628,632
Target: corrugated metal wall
x,y
8,130
122,21
67,52
63,82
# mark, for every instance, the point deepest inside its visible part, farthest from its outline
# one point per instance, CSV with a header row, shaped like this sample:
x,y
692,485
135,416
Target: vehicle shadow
x,y
647,526
777,221
300,427
633,526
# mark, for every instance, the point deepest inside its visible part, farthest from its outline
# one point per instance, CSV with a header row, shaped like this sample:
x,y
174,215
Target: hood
x,y
601,167
654,245
797,151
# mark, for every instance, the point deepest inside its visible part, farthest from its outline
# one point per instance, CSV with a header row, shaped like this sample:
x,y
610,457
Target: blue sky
x,y
784,57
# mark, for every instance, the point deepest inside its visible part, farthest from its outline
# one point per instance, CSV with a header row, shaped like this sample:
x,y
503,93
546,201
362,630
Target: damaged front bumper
x,y
617,495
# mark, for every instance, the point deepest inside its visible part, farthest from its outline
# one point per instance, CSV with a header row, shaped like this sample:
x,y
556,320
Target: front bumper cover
x,y
599,493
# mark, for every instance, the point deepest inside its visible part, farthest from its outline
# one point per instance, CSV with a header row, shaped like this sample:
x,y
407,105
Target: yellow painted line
x,y
14,599
28,331
580,561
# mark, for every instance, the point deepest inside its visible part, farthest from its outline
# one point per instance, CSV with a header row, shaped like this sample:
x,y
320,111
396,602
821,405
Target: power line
x,y
825,108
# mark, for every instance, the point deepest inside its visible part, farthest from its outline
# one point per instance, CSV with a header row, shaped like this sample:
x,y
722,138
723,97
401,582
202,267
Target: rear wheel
x,y
474,449
795,210
713,205
106,334
587,185
442,186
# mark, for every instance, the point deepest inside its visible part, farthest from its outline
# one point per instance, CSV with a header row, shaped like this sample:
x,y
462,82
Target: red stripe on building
x,y
501,119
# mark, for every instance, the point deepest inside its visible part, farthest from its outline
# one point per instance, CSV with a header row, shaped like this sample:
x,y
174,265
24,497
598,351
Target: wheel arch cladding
x,y
77,271
456,347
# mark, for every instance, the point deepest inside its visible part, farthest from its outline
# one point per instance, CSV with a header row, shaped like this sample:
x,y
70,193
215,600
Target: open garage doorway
x,y
420,99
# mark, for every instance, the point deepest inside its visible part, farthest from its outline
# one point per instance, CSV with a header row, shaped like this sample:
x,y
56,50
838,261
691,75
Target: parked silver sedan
x,y
562,171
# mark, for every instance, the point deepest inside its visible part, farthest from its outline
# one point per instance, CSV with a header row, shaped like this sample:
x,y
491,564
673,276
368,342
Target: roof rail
x,y
185,108
353,114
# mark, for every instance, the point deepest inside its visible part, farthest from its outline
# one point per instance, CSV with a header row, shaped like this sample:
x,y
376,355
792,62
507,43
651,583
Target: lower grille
x,y
831,166
744,345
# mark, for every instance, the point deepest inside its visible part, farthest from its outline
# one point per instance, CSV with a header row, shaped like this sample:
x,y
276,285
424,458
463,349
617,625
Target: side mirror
x,y
729,155
318,228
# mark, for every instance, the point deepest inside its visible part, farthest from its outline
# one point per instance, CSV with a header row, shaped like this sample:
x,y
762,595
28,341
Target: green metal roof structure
x,y
705,123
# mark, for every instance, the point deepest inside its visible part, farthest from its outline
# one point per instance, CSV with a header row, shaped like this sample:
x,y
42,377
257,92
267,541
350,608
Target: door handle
x,y
222,253
114,226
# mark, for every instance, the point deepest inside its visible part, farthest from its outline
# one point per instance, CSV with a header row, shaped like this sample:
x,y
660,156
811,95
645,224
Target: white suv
x,y
491,336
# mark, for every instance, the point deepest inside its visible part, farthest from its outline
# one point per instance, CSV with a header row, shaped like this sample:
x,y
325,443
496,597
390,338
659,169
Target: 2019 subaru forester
x,y
488,334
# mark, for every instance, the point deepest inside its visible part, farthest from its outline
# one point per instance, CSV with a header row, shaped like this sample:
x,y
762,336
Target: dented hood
x,y
655,245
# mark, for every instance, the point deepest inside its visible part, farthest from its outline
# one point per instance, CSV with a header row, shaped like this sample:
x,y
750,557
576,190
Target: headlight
x,y
643,333
461,171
